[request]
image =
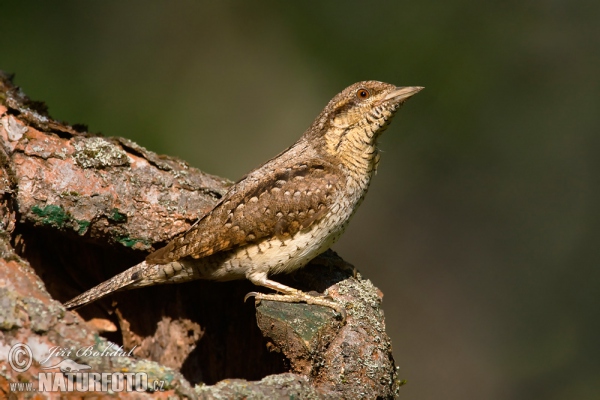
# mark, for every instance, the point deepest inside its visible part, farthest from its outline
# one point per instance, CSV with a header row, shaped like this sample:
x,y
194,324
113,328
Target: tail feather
x,y
133,275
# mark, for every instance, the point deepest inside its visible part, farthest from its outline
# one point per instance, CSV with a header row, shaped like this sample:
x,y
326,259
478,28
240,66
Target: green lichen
x,y
127,241
117,216
51,215
132,242
83,226
57,217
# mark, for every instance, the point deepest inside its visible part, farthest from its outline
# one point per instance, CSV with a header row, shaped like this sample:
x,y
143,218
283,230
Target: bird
x,y
284,213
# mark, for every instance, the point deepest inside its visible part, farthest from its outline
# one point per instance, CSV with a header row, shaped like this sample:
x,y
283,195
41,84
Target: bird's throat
x,y
355,148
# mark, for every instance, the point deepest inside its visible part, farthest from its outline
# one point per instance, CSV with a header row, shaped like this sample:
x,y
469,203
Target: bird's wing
x,y
269,202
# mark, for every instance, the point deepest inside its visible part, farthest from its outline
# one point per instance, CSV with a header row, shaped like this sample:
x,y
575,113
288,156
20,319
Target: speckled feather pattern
x,y
273,201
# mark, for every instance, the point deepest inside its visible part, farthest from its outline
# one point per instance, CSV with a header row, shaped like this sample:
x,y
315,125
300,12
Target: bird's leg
x,y
291,295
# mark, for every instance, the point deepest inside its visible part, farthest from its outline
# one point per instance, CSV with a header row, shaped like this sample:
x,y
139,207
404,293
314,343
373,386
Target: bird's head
x,y
354,119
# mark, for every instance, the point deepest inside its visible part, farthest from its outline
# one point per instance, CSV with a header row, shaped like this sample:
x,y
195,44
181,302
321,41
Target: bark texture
x,y
77,208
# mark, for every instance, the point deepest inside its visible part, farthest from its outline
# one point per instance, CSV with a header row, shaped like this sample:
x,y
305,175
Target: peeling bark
x,y
77,208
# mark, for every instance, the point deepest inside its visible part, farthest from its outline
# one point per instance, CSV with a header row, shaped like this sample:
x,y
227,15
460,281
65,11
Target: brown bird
x,y
284,213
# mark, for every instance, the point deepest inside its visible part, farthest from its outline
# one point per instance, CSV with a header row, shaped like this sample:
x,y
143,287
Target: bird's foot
x,y
300,297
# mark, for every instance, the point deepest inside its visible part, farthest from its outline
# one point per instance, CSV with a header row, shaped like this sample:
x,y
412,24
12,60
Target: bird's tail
x,y
135,276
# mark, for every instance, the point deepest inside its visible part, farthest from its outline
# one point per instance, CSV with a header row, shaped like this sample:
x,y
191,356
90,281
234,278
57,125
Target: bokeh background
x,y
482,225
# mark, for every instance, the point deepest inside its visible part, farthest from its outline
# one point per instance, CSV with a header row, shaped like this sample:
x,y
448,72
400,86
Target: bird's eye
x,y
362,94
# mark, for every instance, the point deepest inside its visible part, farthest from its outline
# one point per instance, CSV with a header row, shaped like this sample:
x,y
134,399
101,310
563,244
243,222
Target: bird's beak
x,y
400,94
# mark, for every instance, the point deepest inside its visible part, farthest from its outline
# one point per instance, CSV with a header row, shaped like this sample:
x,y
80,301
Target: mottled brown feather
x,y
282,203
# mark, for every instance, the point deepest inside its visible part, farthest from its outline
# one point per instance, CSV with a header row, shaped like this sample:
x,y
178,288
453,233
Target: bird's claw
x,y
251,294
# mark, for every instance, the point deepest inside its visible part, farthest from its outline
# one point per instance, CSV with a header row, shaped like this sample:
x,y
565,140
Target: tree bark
x,y
78,208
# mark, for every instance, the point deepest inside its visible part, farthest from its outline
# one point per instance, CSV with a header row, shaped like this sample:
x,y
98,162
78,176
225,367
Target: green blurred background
x,y
481,227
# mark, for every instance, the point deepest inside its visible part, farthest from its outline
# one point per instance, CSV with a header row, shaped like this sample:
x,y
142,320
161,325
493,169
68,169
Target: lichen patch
x,y
98,152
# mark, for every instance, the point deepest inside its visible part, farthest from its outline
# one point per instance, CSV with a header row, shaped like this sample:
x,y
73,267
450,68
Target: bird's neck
x,y
357,152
